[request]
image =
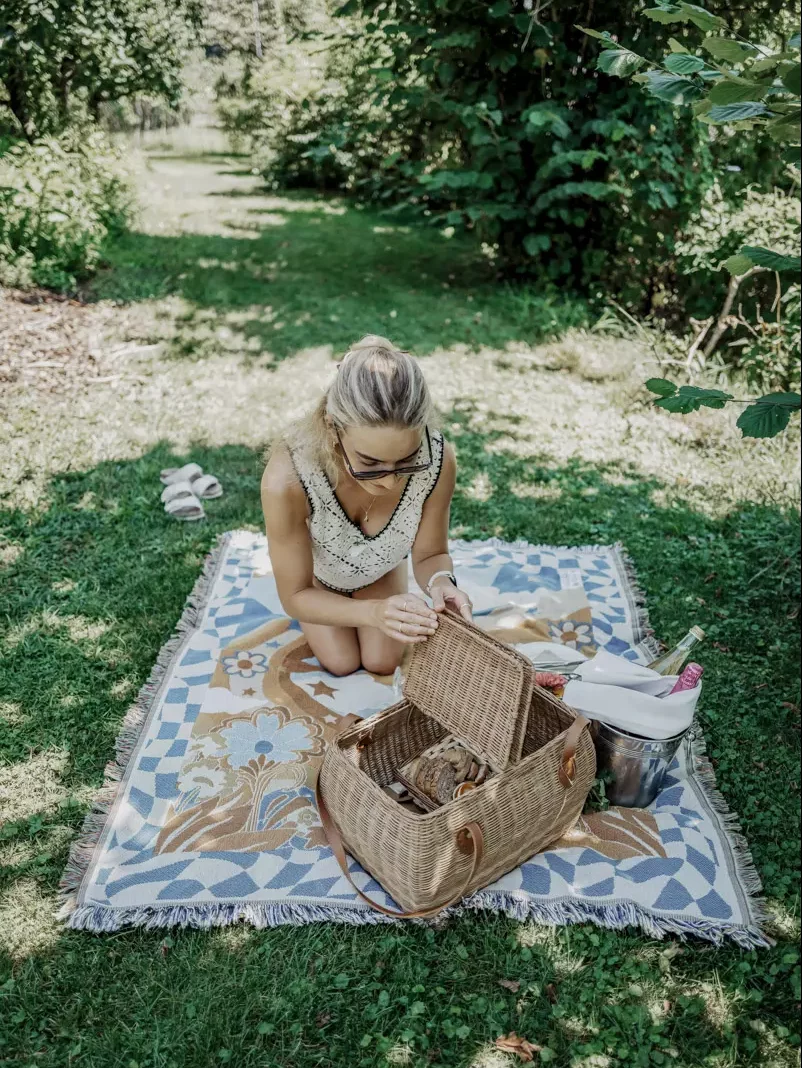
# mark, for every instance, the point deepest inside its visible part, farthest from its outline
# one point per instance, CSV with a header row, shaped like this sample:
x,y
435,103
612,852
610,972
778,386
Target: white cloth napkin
x,y
631,697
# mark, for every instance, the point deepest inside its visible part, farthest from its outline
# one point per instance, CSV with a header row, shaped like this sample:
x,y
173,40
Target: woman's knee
x,y
380,661
340,662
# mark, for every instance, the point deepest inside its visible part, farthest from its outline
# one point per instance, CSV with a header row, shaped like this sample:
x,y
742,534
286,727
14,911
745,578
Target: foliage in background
x,y
60,59
256,94
756,347
483,117
745,86
59,199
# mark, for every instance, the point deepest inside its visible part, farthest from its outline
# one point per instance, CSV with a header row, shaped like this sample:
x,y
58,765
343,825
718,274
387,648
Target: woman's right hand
x,y
404,617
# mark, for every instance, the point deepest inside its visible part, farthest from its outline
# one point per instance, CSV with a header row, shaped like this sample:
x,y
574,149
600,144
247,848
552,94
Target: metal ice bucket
x,y
638,765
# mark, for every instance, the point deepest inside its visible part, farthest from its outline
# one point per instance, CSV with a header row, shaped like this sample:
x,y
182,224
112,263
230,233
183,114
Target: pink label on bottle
x,y
689,679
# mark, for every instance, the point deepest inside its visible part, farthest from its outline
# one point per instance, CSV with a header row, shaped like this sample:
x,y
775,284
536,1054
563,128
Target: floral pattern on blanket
x,y
248,776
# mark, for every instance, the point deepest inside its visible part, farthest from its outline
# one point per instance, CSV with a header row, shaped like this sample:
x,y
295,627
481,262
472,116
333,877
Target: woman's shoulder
x,y
280,478
443,450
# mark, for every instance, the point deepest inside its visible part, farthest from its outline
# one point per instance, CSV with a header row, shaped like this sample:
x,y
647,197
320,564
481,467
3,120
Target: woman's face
x,y
371,449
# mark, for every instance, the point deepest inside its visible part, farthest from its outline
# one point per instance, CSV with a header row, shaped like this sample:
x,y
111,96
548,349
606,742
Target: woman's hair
x,y
376,385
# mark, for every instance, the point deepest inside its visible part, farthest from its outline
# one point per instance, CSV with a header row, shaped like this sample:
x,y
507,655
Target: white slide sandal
x,y
171,475
207,487
181,503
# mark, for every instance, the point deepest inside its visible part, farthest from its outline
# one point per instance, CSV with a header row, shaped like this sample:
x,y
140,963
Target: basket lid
x,y
474,685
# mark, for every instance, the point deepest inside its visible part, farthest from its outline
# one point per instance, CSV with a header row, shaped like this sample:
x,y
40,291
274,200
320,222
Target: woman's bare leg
x,y
343,650
380,654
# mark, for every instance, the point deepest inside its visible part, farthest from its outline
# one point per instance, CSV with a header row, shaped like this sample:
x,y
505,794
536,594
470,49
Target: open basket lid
x,y
478,688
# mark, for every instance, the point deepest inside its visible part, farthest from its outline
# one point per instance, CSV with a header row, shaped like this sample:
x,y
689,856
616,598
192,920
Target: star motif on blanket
x,y
249,692
321,689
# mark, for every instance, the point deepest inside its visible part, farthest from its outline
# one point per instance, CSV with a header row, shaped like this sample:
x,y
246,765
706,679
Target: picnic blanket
x,y
207,816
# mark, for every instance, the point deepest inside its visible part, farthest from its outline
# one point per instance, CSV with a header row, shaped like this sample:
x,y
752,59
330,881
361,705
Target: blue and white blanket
x,y
207,816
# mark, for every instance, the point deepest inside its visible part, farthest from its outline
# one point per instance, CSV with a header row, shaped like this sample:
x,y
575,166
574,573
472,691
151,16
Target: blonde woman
x,y
348,494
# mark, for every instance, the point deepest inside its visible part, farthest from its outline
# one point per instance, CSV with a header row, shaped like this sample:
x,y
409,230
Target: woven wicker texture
x,y
414,857
474,685
520,811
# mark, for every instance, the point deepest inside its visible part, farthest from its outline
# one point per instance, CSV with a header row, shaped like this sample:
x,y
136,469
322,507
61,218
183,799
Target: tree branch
x,y
723,321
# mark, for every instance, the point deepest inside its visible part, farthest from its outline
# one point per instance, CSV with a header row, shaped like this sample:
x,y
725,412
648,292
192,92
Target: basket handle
x,y
469,840
567,769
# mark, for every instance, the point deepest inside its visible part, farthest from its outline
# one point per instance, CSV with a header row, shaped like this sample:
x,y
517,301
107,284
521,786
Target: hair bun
x,y
372,341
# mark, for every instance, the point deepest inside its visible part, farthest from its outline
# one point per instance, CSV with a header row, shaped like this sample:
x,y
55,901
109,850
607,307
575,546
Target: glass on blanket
x,y
673,661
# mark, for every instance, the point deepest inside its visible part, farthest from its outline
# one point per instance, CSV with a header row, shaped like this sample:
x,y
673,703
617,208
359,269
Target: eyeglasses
x,y
368,476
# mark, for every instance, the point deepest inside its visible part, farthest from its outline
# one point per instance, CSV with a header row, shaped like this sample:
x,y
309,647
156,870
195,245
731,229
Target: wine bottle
x,y
689,679
672,662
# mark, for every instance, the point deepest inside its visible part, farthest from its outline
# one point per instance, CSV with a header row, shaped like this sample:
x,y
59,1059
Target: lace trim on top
x,y
345,558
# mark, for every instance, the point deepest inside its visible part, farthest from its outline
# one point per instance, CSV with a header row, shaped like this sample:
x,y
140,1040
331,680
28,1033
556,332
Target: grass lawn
x,y
226,307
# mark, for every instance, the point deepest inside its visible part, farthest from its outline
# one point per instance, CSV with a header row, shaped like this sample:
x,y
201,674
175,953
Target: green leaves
x,y
549,116
620,62
728,50
730,113
738,264
772,261
792,79
683,63
672,88
661,386
536,243
769,415
764,418
667,13
755,256
732,92
685,399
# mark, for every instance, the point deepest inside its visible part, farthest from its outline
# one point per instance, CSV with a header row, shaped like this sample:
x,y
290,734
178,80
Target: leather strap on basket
x,y
469,839
567,769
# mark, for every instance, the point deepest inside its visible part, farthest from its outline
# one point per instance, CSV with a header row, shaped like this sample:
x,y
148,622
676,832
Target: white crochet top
x,y
345,558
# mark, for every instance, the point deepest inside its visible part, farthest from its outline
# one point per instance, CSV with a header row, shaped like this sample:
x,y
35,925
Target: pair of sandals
x,y
185,488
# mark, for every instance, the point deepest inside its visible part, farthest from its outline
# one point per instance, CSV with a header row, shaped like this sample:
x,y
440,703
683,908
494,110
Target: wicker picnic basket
x,y
461,682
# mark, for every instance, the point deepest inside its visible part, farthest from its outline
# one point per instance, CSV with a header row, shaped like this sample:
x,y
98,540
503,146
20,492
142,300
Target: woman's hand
x,y
403,617
445,594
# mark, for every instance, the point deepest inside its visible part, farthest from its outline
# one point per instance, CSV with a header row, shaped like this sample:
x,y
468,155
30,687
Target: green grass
x,y
554,445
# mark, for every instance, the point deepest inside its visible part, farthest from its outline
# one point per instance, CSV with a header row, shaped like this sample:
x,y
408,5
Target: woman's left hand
x,y
445,594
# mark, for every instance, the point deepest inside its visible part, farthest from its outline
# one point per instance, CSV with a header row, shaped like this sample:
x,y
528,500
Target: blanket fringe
x,y
747,872
101,919
83,848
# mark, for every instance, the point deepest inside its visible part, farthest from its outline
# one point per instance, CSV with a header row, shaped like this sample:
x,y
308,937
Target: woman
x,y
347,494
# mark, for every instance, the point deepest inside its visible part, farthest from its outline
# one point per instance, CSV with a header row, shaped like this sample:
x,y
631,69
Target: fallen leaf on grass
x,y
322,1019
510,984
551,993
665,958
522,1049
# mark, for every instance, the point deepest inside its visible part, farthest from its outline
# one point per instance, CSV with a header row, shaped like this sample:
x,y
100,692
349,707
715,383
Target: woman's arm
x,y
430,550
286,509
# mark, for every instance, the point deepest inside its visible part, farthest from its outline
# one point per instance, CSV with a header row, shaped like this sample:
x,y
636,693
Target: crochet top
x,y
346,559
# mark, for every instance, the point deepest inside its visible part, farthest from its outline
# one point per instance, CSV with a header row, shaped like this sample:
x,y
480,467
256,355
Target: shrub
x,y
761,343
483,117
59,199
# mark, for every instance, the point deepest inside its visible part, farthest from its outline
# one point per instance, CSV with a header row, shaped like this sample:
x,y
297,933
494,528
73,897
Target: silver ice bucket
x,y
637,765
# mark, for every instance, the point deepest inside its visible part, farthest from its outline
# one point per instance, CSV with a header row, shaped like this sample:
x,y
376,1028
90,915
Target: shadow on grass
x,y
318,274
98,584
